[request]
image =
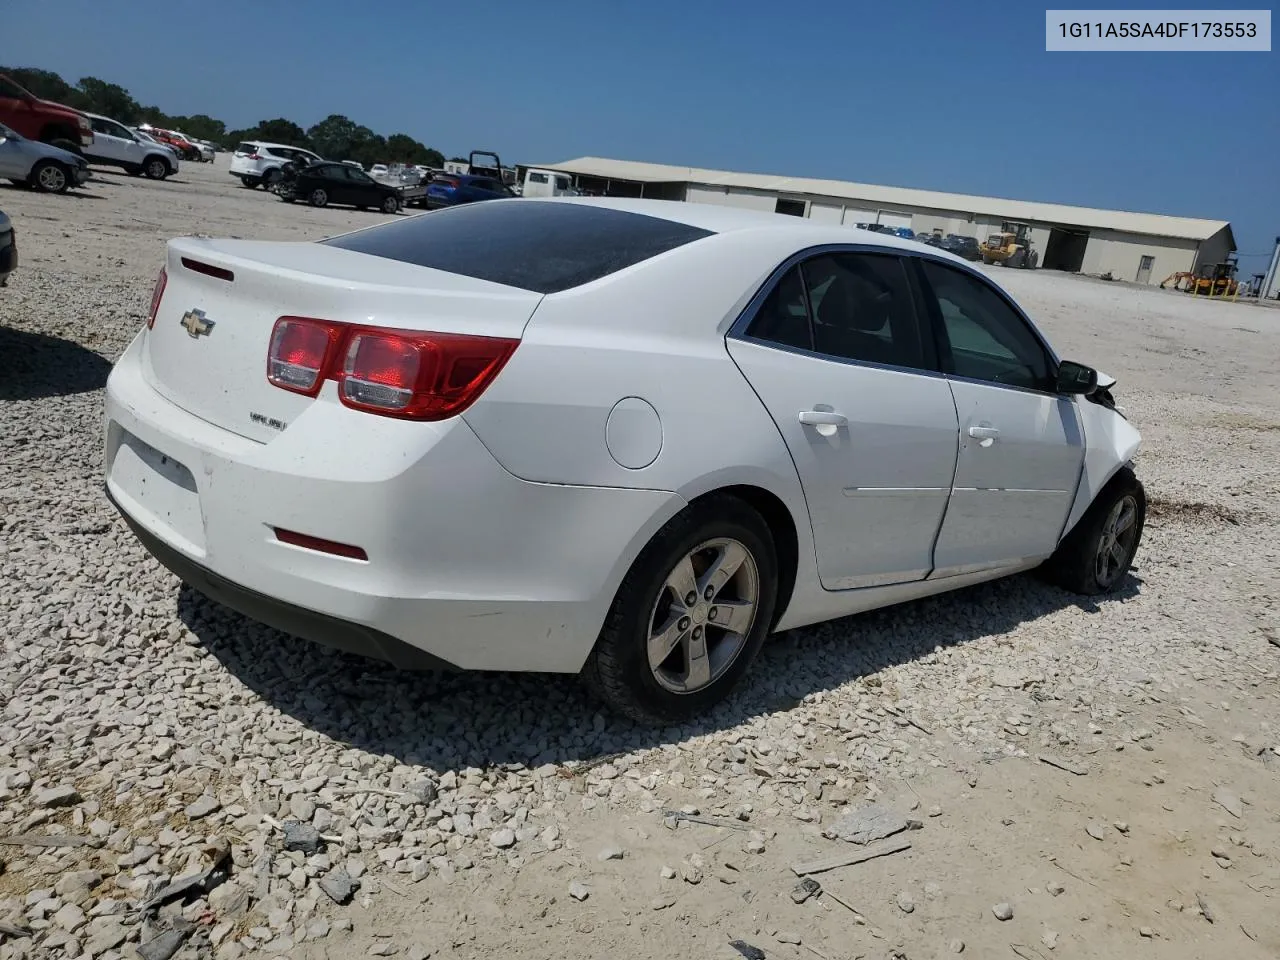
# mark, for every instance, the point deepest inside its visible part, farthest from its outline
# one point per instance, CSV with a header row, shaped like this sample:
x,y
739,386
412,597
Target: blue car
x,y
452,189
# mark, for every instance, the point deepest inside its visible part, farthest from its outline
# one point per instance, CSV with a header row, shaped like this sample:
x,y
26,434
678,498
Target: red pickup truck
x,y
36,119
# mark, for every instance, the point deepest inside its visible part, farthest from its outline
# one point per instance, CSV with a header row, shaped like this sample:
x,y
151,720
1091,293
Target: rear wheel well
x,y
781,526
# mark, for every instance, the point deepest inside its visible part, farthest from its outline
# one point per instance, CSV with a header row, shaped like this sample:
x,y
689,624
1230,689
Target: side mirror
x,y
1076,378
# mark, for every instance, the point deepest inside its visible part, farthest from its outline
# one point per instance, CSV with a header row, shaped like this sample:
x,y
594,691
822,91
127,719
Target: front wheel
x,y
49,176
391,205
318,198
1095,556
156,169
690,616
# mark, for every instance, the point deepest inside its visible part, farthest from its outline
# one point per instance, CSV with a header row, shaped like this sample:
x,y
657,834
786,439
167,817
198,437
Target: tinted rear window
x,y
247,148
543,247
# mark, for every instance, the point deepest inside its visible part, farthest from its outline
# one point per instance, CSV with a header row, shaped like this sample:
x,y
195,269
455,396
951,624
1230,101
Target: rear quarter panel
x,y
656,332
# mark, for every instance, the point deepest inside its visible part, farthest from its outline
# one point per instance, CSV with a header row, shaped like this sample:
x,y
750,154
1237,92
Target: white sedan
x,y
627,439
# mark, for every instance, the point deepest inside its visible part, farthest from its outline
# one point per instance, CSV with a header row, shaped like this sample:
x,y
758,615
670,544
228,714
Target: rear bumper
x,y
286,617
467,565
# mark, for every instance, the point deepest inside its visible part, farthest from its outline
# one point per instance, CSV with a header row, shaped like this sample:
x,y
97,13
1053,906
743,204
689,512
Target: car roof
x,y
718,219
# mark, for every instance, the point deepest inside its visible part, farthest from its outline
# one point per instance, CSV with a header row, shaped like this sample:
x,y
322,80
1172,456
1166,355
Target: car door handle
x,y
823,418
985,434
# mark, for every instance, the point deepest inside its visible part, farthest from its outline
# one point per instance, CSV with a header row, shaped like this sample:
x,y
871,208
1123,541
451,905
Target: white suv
x,y
115,145
258,164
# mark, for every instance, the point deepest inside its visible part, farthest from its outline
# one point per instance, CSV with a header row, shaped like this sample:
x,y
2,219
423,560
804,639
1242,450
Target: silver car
x,y
44,167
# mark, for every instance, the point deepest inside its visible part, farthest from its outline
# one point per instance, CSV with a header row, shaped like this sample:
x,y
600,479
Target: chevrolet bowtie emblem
x,y
196,323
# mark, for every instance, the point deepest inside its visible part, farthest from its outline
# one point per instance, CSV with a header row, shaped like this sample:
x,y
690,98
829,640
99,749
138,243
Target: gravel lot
x,y
459,816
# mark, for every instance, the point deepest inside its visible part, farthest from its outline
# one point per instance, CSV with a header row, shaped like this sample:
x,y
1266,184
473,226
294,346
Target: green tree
x,y
402,148
338,138
45,84
109,99
202,127
283,131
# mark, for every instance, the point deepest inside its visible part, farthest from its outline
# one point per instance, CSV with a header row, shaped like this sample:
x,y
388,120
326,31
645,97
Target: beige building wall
x,y
1121,255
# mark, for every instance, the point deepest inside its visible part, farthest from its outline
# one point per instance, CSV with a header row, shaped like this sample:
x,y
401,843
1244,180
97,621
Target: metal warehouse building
x,y
1143,247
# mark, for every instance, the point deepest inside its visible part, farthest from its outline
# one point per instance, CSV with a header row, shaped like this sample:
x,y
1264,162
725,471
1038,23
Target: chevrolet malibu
x,y
625,439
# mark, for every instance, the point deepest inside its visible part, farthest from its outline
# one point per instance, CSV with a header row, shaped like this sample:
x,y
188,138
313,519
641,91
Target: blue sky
x,y
949,96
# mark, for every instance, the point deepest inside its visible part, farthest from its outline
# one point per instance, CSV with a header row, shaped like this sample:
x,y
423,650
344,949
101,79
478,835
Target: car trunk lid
x,y
207,351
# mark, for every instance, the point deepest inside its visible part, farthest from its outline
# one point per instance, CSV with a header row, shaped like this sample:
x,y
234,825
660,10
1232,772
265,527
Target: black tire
x,y
1075,564
318,198
618,669
286,195
390,205
250,182
156,168
50,176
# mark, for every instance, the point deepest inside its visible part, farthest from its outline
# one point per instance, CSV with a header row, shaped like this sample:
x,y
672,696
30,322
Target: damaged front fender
x,y
1110,442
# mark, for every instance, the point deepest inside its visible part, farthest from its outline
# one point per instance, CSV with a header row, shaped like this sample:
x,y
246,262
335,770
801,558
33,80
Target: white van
x,y
547,183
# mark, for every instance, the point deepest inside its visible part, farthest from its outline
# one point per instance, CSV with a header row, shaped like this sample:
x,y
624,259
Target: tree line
x,y
334,138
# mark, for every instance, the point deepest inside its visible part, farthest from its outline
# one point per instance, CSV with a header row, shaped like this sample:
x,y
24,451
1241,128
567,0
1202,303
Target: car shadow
x,y
36,365
78,193
447,721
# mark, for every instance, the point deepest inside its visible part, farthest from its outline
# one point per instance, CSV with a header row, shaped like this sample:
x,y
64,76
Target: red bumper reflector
x,y
320,545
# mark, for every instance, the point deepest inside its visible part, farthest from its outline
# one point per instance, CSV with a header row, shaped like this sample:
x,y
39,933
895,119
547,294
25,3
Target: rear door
x,y
836,353
1021,444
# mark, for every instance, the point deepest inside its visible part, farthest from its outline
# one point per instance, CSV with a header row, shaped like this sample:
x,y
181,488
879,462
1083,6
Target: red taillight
x,y
397,373
157,293
309,542
300,353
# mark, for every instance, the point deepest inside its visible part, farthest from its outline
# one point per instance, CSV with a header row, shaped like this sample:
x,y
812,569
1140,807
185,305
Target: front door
x,y
836,355
1021,444
1144,269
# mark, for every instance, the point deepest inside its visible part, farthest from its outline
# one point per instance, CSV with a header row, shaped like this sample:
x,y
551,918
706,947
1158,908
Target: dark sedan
x,y
321,184
451,189
962,246
8,248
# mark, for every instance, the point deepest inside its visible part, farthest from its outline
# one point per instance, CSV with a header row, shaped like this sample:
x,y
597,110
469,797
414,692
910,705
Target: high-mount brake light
x,y
409,374
208,269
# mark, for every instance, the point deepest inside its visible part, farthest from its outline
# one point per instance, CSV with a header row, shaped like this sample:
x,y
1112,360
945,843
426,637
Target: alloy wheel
x,y
53,178
1117,542
703,615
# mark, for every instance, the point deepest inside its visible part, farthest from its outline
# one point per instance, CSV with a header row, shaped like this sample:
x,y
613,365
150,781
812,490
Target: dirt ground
x,y
1164,842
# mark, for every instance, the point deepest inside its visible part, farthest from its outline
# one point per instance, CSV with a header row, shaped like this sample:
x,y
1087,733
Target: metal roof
x,y
1155,224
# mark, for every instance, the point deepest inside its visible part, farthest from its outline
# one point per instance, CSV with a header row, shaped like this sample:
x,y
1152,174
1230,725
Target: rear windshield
x,y
543,247
247,148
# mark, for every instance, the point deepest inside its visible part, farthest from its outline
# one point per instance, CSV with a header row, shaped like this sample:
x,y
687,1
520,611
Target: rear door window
x,y
543,247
